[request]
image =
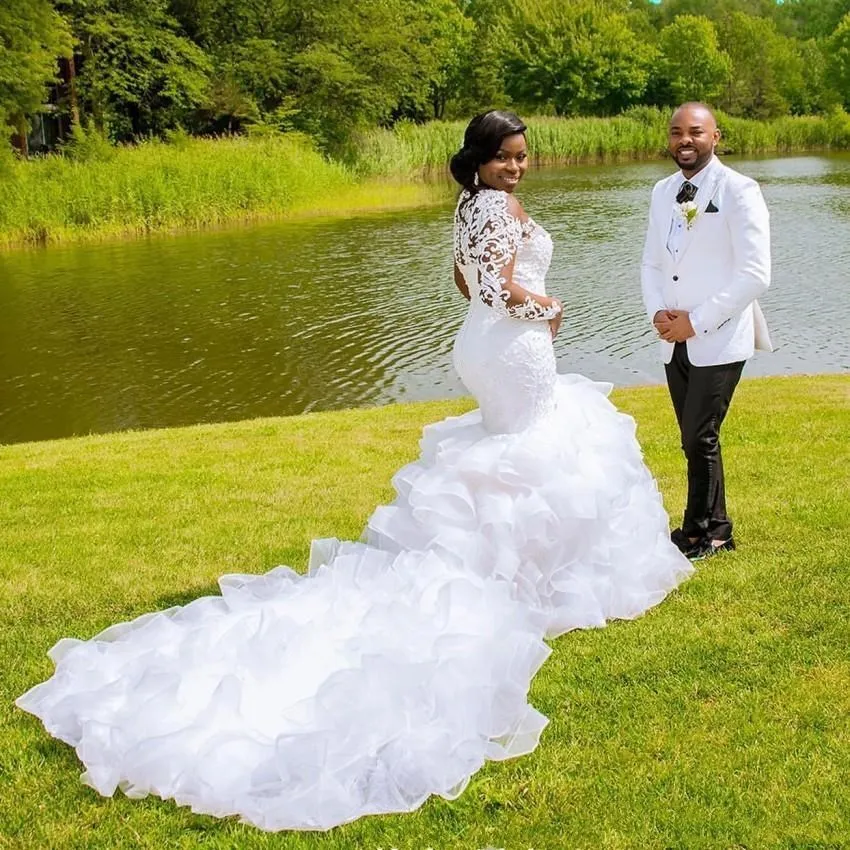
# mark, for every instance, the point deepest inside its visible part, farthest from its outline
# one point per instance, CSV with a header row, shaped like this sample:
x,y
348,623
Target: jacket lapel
x,y
669,200
704,195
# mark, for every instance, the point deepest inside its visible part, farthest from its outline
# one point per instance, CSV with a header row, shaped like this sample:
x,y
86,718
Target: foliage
x,y
576,58
816,19
137,74
358,62
449,45
692,66
818,93
339,68
839,62
479,83
328,69
765,67
32,37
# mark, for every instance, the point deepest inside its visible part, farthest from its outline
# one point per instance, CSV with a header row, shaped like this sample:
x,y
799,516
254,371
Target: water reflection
x,y
288,317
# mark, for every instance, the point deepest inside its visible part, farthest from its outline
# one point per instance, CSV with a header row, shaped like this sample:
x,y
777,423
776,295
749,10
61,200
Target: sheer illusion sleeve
x,y
487,237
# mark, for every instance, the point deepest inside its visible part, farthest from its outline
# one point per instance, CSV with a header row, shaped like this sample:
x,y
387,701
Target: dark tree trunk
x,y
70,77
19,137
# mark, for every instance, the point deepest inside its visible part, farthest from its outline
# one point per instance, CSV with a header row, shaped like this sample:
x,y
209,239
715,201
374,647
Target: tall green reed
x,y
638,134
157,185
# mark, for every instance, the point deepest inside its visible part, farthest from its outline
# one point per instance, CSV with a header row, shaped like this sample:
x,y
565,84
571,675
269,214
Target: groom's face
x,y
692,138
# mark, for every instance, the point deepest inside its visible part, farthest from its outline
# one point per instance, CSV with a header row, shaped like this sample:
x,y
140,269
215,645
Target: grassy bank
x,y
718,720
195,183
188,184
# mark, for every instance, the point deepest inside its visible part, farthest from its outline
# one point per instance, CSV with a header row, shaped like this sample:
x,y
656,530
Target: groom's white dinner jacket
x,y
721,266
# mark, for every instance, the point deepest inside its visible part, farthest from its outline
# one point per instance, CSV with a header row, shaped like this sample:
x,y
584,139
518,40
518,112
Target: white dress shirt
x,y
676,234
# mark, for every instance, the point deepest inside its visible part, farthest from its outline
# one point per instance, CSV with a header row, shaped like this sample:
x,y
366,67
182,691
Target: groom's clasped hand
x,y
673,325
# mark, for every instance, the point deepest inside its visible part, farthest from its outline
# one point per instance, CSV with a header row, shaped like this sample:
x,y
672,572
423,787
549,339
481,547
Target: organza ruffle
x,y
305,701
565,511
396,667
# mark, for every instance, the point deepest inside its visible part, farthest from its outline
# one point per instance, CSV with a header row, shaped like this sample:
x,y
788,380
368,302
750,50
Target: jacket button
x,y
675,277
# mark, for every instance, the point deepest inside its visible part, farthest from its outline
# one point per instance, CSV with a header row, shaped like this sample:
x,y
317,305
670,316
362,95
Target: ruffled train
x,y
566,511
396,667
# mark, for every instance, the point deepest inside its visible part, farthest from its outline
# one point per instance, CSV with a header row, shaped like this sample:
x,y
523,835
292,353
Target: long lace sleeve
x,y
487,236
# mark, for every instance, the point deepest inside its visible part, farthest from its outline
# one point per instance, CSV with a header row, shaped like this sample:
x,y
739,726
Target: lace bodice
x,y
508,365
488,240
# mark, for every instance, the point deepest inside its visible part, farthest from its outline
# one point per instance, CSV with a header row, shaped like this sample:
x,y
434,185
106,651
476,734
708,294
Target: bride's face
x,y
509,165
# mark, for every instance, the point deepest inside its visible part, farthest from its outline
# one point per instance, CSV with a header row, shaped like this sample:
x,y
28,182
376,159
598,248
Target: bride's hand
x,y
555,324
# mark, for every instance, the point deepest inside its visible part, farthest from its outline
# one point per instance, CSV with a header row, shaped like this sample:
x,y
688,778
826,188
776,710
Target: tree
x,y
838,53
806,19
767,70
815,89
481,83
250,46
716,10
329,68
691,65
354,63
575,57
449,44
137,73
33,36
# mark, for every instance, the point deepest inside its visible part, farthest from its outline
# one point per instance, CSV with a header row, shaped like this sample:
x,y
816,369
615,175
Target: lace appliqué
x,y
487,237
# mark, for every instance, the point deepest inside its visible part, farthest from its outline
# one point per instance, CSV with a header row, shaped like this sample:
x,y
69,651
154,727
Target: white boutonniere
x,y
689,212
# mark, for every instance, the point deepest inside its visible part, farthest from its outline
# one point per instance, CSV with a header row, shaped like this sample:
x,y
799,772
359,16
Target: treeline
x,y
132,69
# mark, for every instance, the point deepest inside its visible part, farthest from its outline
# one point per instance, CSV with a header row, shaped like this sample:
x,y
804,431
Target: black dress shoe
x,y
680,540
706,548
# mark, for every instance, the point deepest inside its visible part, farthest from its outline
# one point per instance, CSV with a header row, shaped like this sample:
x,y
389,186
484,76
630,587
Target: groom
x,y
705,261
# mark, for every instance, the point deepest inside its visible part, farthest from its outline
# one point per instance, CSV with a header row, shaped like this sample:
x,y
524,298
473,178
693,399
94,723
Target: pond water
x,y
288,317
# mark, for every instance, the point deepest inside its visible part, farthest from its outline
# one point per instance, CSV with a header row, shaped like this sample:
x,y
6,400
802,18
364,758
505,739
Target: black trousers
x,y
701,397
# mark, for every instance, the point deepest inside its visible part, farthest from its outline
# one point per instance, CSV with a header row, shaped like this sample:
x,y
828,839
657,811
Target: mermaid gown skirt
x,y
396,666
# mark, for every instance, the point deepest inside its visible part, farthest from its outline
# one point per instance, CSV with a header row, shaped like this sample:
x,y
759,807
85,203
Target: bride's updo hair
x,y
481,142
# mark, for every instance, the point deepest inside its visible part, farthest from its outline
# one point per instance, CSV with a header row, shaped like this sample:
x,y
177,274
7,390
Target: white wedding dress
x,y
397,666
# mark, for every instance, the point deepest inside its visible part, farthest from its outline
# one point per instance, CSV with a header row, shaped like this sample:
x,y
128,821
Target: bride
x,y
397,666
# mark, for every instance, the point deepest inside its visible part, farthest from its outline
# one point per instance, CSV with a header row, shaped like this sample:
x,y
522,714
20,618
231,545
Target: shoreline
x,y
454,404
405,197
374,195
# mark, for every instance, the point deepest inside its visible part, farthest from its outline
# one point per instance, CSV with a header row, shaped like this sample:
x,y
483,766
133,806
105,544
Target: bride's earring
x,y
475,180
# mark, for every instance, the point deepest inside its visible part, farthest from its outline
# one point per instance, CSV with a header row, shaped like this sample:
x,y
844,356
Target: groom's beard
x,y
696,165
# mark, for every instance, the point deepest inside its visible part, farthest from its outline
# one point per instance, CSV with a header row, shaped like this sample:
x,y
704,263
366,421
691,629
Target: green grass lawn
x,y
721,719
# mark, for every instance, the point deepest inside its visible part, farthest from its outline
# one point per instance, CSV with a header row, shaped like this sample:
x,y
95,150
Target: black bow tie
x,y
687,192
